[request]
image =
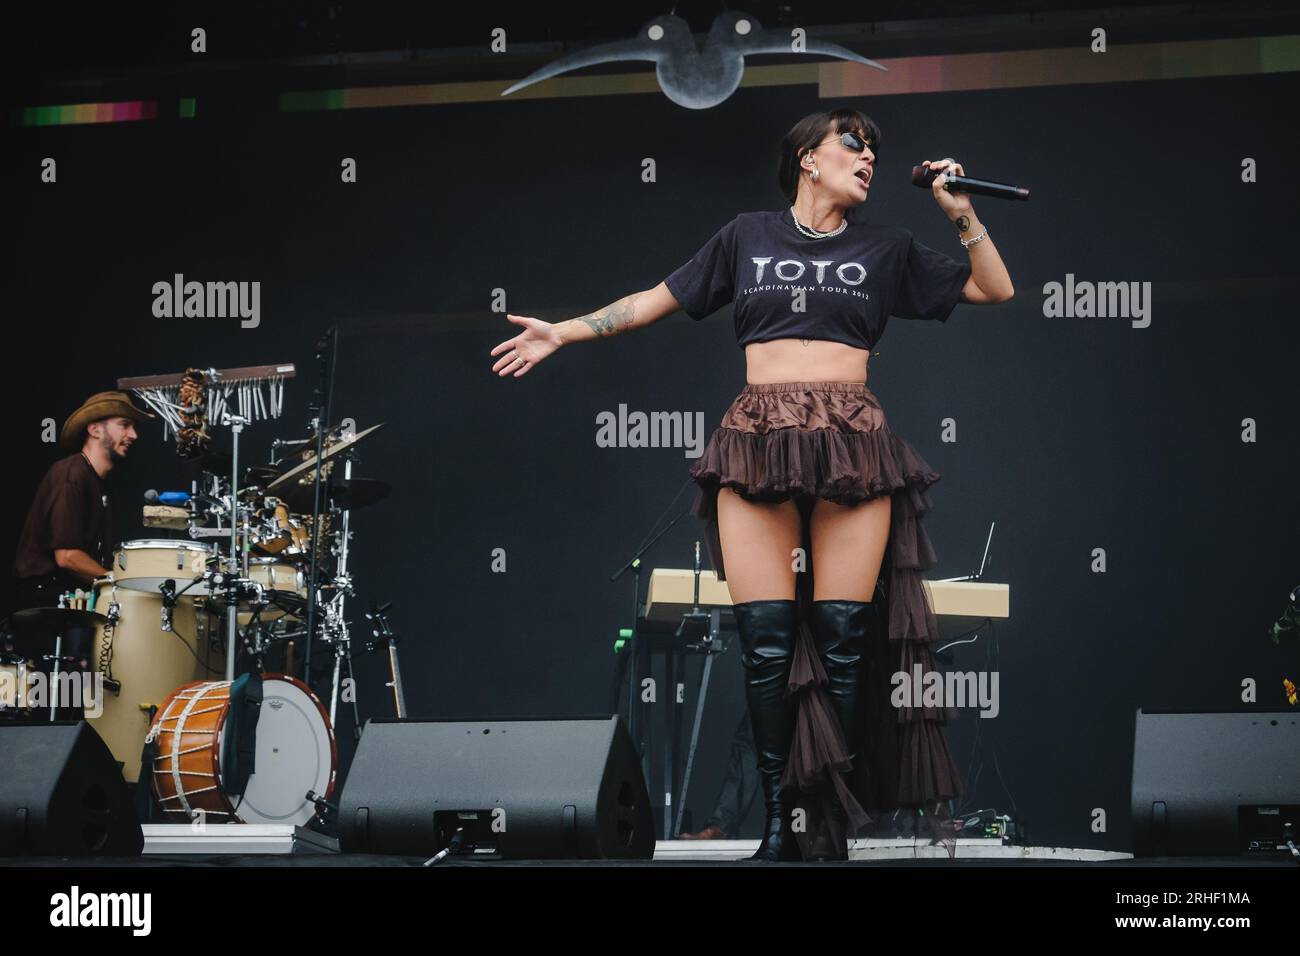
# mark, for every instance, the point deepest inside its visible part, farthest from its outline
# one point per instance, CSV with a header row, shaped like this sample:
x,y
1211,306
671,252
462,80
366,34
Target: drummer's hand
x,y
538,340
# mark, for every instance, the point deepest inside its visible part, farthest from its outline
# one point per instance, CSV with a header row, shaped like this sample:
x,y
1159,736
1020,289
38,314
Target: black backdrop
x,y
1073,433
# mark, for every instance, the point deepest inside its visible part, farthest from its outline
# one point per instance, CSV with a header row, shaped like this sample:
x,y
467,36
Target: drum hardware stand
x,y
54,683
236,423
385,637
336,632
57,659
326,352
343,581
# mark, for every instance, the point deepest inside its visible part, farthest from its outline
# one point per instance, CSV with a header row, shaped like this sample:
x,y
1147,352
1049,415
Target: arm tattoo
x,y
613,318
962,223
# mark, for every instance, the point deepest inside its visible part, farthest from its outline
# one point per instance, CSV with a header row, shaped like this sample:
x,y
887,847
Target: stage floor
x,y
711,853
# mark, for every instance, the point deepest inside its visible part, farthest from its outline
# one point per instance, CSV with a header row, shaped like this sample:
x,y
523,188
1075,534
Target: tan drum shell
x,y
152,561
149,662
278,576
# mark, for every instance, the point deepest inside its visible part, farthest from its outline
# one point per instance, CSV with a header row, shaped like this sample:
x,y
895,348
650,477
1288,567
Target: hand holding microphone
x,y
948,176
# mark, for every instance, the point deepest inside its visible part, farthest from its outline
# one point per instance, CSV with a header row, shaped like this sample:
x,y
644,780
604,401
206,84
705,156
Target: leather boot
x,y
767,631
840,632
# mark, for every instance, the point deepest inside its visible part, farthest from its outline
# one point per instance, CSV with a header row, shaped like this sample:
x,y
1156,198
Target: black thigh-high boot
x,y
767,632
840,631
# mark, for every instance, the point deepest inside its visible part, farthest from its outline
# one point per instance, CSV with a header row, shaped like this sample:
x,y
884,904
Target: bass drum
x,y
150,663
295,753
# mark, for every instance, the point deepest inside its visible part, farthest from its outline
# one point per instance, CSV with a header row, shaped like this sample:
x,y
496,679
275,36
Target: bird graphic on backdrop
x,y
695,78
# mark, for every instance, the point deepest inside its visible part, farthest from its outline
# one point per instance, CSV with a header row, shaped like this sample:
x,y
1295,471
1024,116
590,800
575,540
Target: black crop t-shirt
x,y
852,282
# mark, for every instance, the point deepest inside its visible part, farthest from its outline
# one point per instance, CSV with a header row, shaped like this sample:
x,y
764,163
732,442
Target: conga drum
x,y
149,663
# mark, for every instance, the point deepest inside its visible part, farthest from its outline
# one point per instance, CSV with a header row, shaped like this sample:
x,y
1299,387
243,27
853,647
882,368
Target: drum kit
x,y
178,619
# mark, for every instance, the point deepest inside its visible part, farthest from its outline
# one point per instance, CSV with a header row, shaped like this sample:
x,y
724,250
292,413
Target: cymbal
x,y
307,446
50,619
261,475
308,464
347,493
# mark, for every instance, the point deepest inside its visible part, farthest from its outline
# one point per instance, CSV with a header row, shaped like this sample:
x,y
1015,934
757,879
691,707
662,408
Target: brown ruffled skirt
x,y
810,440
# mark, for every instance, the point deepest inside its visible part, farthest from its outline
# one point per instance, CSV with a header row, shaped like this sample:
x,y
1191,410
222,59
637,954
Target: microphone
x,y
924,176
172,498
179,499
168,589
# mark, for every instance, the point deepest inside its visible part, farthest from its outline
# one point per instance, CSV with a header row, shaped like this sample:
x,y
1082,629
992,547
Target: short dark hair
x,y
810,131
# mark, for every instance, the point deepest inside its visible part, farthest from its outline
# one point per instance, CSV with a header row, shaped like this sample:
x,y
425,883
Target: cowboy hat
x,y
99,406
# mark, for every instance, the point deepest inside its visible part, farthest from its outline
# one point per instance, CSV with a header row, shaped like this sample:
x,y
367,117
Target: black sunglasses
x,y
853,141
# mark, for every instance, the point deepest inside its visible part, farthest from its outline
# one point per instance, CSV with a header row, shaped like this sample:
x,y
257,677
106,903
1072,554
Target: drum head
x,y
295,753
151,586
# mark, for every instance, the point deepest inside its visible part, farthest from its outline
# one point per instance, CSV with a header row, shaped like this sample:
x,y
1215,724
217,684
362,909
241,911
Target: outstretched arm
x,y
633,311
539,339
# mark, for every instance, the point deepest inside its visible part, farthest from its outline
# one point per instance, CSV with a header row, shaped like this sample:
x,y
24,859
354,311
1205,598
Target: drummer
x,y
67,540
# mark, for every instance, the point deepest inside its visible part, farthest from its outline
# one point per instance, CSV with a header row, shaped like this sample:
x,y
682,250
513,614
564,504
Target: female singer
x,y
804,474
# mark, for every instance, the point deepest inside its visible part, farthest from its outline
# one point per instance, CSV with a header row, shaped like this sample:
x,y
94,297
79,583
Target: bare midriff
x,y
804,360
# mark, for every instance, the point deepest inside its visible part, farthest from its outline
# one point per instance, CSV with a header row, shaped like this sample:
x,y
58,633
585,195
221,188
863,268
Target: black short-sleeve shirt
x,y
843,288
70,511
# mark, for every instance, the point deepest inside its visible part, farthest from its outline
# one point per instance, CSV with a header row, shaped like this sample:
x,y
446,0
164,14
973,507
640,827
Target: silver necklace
x,y
812,233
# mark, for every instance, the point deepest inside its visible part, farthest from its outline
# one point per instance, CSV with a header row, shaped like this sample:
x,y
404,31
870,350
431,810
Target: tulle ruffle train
x,y
810,440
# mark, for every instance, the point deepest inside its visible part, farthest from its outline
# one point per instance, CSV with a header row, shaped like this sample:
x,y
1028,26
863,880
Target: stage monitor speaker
x,y
518,788
1215,784
62,794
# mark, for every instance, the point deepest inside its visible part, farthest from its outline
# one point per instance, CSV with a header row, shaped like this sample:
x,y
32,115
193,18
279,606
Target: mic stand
x,y
705,625
385,637
327,344
635,726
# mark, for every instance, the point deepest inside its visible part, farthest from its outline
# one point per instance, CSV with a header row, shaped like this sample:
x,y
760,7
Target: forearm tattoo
x,y
613,318
962,223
